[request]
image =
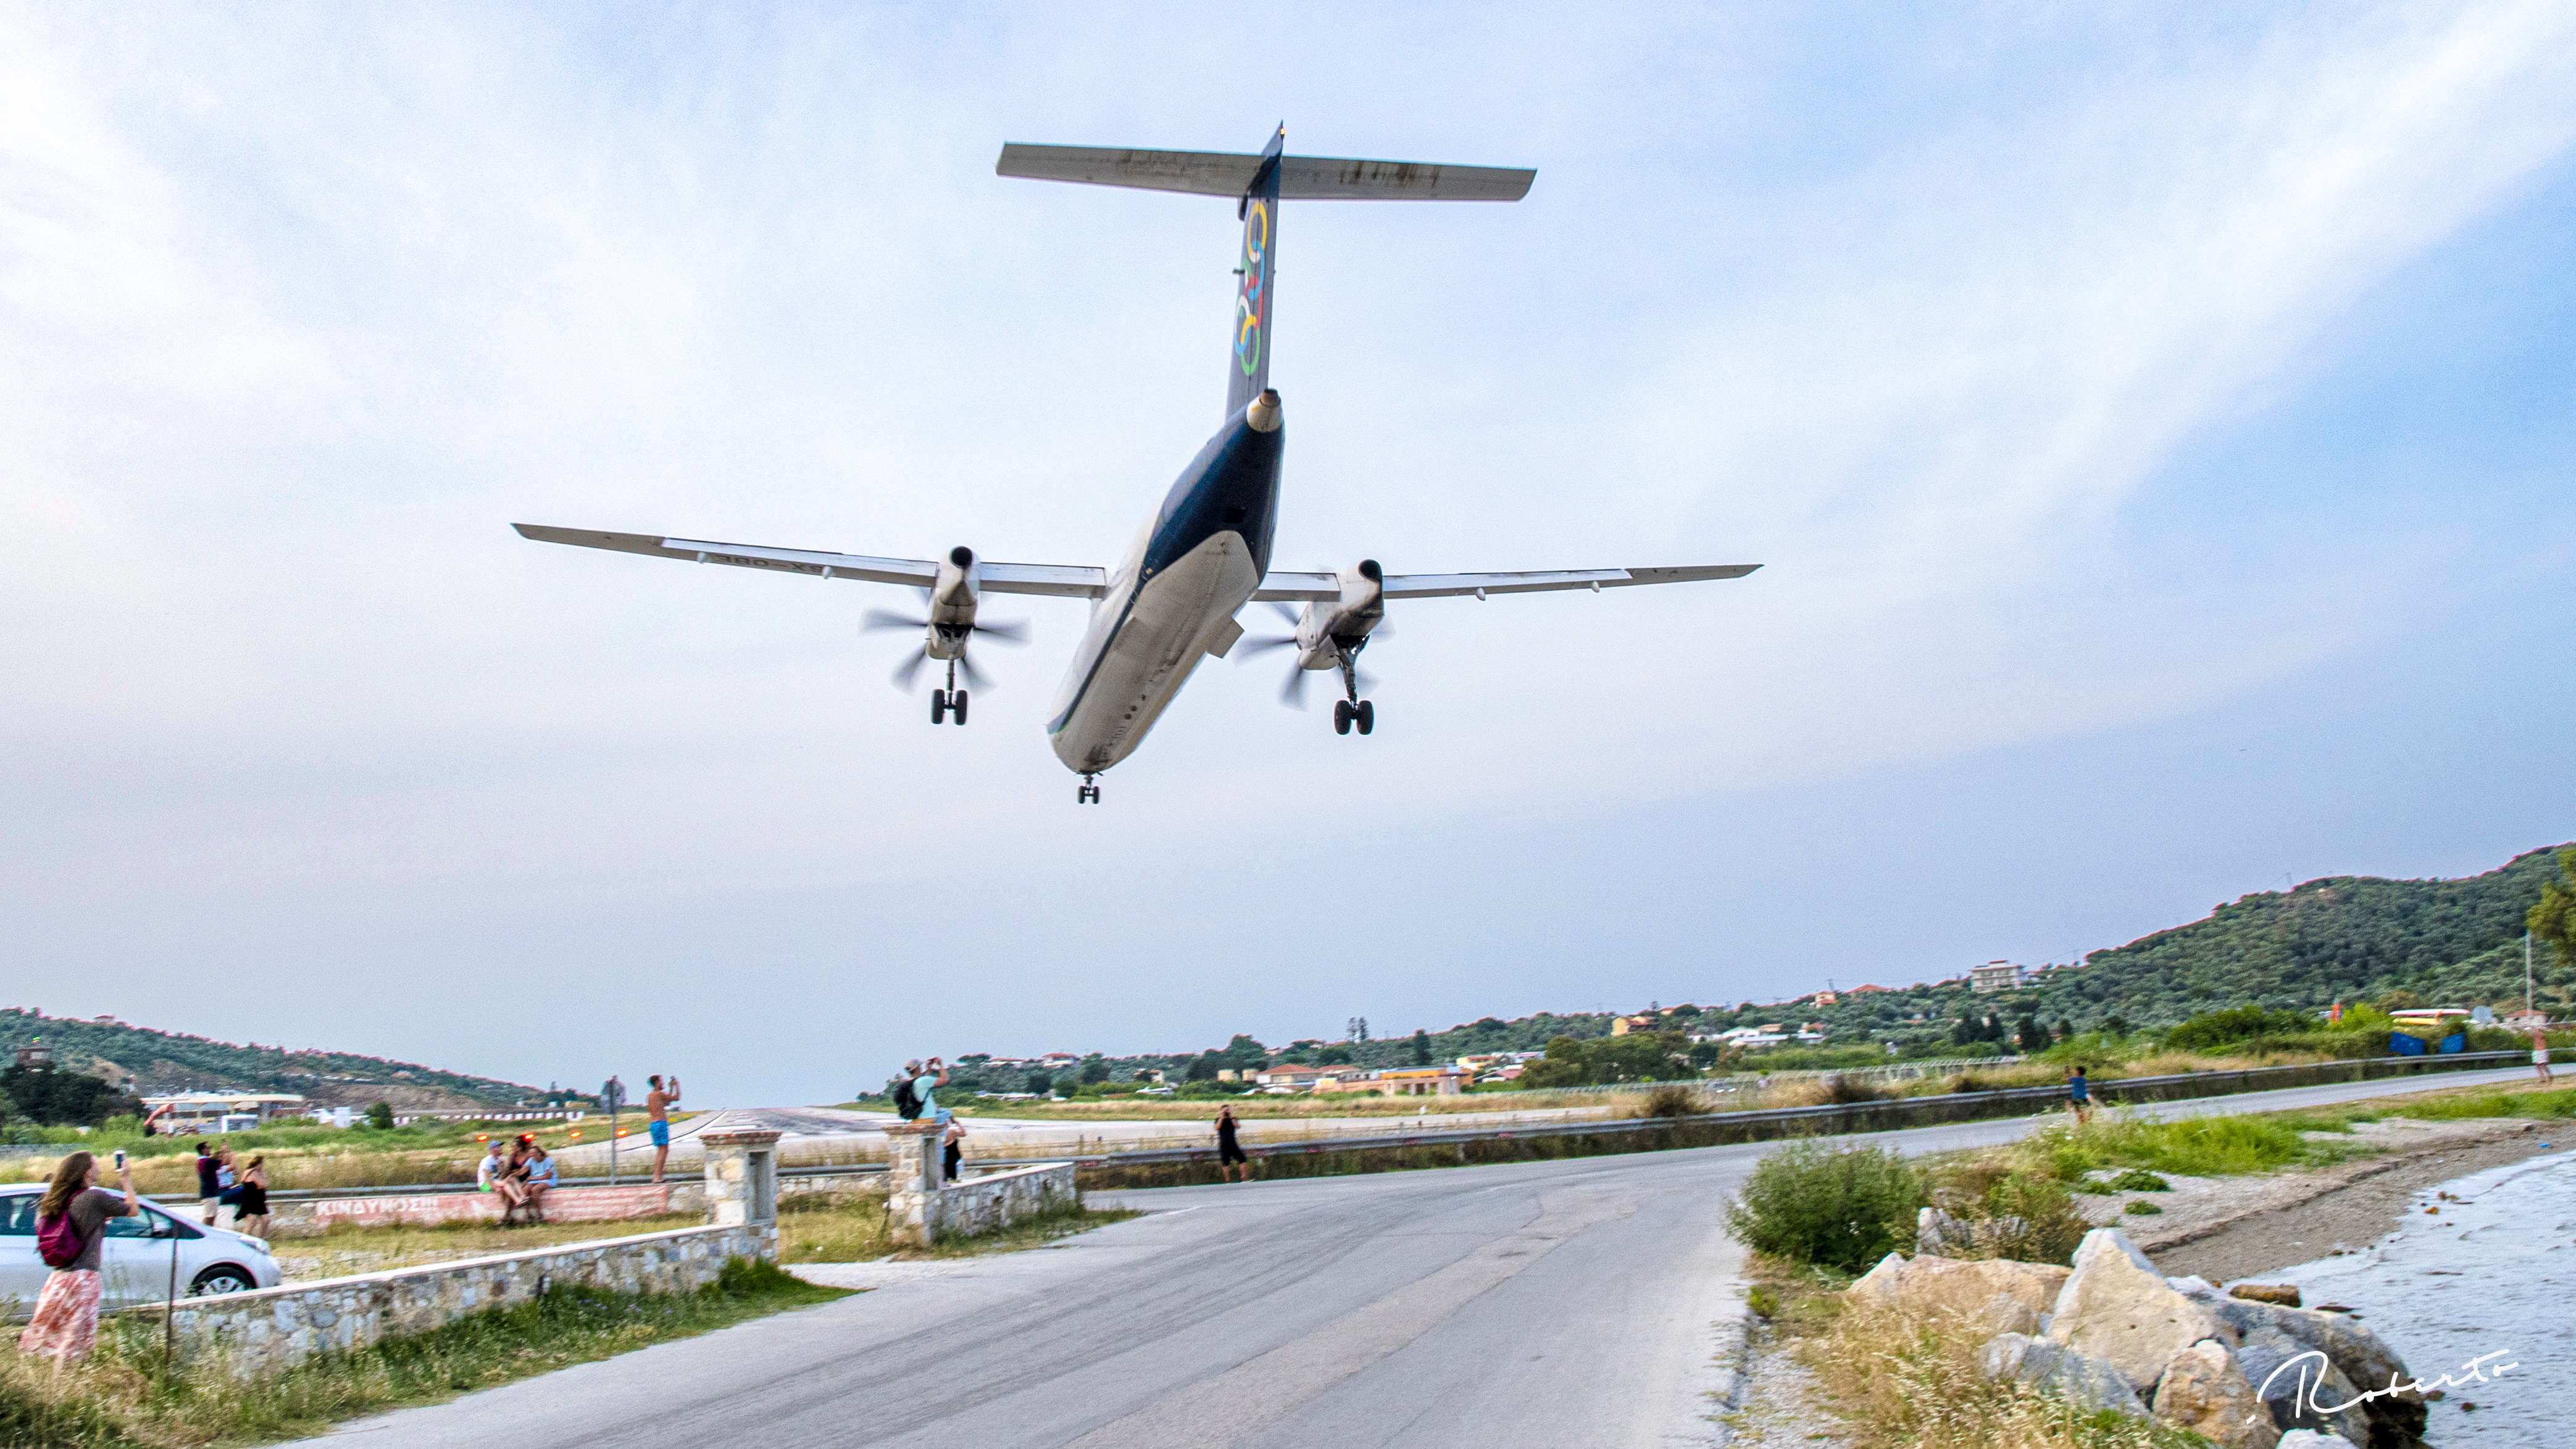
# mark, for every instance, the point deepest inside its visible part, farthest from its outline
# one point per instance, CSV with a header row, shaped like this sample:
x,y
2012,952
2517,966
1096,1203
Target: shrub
x,y
1842,1208
2022,1216
2142,1209
1671,1099
1841,1090
2138,1179
2214,1029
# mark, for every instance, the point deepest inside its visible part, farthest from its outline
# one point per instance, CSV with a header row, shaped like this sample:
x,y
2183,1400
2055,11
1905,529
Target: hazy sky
x,y
2154,423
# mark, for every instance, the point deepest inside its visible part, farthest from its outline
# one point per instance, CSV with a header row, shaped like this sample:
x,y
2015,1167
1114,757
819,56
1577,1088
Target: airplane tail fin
x,y
1258,183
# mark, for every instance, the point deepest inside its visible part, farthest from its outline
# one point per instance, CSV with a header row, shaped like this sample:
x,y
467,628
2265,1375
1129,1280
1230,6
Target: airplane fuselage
x,y
1171,601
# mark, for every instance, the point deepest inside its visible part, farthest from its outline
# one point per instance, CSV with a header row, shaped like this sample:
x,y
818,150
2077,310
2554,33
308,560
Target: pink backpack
x,y
58,1242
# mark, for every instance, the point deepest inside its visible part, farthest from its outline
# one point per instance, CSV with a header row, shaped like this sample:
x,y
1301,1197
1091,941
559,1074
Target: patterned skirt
x,y
66,1321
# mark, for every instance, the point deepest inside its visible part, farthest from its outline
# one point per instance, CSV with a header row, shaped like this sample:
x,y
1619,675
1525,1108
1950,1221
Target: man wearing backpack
x,y
70,1221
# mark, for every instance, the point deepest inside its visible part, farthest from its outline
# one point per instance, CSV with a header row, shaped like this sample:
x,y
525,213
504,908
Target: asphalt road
x,y
1563,1303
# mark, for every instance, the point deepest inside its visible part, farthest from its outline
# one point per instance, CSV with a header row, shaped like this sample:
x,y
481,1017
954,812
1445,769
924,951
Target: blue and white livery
x,y
1205,553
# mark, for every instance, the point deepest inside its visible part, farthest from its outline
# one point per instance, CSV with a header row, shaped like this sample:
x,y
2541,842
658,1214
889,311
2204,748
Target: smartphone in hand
x,y
120,1159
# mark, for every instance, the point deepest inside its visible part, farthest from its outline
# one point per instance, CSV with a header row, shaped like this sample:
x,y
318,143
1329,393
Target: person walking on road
x,y
250,1210
71,1219
1230,1158
657,1119
2079,1096
2540,1053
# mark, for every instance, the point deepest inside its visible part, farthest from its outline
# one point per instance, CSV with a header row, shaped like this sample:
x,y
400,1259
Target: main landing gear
x,y
949,701
1352,710
1086,793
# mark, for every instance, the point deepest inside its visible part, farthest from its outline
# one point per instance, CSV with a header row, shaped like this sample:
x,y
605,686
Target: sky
x,y
2152,423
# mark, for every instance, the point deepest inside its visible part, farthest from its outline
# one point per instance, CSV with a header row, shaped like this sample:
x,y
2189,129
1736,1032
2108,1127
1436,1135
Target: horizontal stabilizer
x,y
1287,587
1230,174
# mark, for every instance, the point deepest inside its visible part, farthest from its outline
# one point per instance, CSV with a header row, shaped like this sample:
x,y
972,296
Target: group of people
x,y
245,1191
520,1173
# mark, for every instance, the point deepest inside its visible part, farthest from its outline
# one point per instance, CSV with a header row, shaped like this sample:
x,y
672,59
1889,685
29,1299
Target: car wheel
x,y
221,1278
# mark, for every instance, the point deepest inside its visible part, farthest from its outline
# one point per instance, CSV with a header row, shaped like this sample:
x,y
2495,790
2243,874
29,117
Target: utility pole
x,y
2527,1003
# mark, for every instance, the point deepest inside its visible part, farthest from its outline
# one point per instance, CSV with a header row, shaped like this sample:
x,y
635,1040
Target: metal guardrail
x,y
2204,1084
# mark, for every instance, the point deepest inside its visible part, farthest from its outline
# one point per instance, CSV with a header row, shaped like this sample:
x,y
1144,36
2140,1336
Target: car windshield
x,y
18,1214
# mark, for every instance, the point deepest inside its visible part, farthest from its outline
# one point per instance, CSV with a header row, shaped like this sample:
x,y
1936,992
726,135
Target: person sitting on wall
x,y
492,1175
536,1179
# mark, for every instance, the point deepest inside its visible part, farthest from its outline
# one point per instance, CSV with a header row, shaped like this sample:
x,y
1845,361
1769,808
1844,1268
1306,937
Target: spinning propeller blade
x,y
876,619
910,669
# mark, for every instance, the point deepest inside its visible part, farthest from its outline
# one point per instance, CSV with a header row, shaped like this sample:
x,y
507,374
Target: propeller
x,y
1013,632
1292,692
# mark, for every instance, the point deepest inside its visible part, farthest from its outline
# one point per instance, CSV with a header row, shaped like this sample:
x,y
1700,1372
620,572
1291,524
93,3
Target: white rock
x,y
2311,1439
2203,1391
2113,1309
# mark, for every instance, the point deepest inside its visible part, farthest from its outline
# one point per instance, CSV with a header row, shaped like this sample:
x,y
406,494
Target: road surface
x,y
1569,1304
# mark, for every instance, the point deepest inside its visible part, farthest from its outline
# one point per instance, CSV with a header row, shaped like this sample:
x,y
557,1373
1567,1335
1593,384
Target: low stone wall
x,y
275,1328
304,1216
981,1204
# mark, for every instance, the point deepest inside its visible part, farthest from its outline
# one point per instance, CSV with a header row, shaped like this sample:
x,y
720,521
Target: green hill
x,y
160,1061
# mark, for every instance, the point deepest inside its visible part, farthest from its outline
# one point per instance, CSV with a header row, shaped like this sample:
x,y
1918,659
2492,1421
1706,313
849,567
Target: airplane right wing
x,y
1293,586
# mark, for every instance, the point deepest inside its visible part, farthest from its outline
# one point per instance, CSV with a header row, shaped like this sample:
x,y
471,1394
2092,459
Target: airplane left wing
x,y
1289,586
1062,580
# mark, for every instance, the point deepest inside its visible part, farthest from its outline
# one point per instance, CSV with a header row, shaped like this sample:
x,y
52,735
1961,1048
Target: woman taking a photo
x,y
74,1213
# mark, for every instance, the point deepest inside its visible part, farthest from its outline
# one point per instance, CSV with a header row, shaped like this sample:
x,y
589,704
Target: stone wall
x,y
922,1206
271,1329
306,1216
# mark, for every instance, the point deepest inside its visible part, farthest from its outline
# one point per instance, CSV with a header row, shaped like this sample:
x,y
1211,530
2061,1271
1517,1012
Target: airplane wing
x,y
1061,580
1288,586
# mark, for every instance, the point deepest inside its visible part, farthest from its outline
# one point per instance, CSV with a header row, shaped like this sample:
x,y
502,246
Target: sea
x,y
2483,1289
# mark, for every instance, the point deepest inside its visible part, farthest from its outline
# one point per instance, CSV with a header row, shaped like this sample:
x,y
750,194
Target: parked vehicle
x,y
136,1260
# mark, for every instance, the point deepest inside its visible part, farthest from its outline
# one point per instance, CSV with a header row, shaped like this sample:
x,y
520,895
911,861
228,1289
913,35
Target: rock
x,y
2285,1295
1965,1287
2203,1391
2191,1285
2355,1352
2080,1379
2116,1310
1938,1234
2004,1313
2311,1439
2292,1379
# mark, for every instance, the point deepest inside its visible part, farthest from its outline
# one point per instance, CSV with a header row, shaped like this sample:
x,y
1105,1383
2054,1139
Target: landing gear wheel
x,y
1086,793
939,706
957,705
1365,716
1341,716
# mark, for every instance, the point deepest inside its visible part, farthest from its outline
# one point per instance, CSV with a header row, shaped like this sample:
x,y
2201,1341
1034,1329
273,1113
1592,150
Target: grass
x,y
311,1155
851,1228
2194,1147
345,1250
120,1398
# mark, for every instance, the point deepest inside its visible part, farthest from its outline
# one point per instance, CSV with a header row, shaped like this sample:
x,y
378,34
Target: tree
x,y
2554,919
1336,1055
1042,1084
2034,1038
1421,1047
1095,1068
1640,1056
1359,1028
381,1116
64,1099
1243,1051
2065,1029
1203,1068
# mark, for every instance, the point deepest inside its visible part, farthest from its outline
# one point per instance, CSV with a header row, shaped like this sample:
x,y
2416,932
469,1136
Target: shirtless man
x,y
657,1119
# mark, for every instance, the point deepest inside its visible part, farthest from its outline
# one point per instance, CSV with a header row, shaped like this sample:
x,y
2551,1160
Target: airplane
x,y
1205,554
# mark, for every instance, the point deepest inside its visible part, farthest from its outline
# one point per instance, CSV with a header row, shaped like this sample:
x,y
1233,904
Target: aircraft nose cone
x,y
1263,415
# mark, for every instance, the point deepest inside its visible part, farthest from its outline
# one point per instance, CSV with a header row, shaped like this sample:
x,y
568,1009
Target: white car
x,y
142,1260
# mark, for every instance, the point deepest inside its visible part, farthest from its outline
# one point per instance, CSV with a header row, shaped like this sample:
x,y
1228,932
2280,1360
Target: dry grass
x,y
1903,1382
346,1250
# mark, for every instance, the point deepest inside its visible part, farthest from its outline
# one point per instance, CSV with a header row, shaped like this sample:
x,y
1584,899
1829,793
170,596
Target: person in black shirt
x,y
1230,1157
208,1189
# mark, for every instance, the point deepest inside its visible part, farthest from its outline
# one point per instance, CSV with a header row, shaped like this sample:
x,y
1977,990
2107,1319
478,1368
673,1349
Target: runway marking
x,y
1261,1391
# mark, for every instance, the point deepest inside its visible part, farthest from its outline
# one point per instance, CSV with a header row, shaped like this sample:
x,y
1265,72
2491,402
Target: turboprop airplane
x,y
1206,552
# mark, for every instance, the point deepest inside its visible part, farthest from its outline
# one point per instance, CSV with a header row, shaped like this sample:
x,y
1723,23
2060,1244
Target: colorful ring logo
x,y
1248,300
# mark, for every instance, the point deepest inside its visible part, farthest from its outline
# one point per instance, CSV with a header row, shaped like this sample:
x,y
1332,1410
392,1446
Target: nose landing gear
x,y
1086,793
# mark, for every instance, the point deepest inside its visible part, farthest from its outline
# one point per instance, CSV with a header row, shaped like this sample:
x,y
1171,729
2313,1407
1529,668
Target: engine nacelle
x,y
1332,628
953,601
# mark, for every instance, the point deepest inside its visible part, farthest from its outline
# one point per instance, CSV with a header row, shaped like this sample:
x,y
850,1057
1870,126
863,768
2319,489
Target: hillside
x,y
2346,938
161,1061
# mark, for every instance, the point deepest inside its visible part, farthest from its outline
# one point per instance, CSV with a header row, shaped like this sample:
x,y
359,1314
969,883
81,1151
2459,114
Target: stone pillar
x,y
742,1177
913,1182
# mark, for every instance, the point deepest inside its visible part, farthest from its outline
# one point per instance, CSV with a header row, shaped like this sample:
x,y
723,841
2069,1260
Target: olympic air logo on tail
x,y
1248,302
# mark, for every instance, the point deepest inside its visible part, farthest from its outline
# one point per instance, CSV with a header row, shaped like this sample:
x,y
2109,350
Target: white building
x,y
1996,976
